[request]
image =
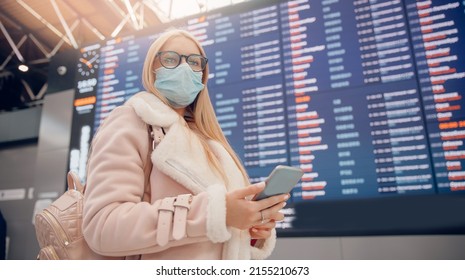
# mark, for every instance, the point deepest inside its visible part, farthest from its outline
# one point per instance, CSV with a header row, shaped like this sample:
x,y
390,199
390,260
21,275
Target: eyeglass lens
x,y
172,59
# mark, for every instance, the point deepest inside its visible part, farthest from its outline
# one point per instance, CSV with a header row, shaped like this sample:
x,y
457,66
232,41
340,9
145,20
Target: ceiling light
x,y
23,68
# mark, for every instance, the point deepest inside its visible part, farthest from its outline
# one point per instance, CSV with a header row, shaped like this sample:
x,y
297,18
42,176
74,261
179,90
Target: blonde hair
x,y
206,123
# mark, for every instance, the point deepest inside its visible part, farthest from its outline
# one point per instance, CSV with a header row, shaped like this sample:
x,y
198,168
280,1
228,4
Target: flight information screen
x,y
365,96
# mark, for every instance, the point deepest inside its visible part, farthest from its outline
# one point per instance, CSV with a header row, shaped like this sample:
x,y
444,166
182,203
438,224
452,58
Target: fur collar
x,y
152,110
180,155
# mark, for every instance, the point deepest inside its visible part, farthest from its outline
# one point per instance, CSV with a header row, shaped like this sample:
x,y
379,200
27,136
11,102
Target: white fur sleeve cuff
x,y
265,251
216,215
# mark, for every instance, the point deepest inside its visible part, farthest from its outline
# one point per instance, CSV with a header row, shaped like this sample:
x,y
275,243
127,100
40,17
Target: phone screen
x,y
281,180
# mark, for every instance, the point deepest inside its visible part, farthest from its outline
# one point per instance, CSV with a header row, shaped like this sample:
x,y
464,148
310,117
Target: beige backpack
x,y
59,226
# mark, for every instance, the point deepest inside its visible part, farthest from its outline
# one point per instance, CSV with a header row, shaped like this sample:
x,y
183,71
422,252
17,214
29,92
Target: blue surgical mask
x,y
179,85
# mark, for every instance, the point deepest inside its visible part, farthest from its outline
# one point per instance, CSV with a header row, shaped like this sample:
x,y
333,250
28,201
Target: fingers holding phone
x,y
267,200
262,231
278,185
270,207
242,213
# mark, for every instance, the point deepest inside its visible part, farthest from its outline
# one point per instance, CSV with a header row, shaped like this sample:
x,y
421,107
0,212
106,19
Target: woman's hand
x,y
244,214
262,231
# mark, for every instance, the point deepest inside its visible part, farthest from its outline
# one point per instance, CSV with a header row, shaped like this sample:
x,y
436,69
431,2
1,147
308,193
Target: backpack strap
x,y
74,183
156,134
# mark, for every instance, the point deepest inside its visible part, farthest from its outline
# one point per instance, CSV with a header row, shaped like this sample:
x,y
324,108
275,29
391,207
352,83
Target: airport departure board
x,y
365,96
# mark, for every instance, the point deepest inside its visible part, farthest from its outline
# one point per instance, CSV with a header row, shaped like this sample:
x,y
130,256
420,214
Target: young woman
x,y
199,204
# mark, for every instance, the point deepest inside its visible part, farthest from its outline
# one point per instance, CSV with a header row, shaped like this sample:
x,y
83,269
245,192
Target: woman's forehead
x,y
181,45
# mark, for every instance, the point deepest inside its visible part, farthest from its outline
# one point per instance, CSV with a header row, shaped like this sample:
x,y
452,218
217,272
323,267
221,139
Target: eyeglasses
x,y
171,60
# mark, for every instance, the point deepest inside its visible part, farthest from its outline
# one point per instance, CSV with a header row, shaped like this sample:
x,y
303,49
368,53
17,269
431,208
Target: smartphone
x,y
281,180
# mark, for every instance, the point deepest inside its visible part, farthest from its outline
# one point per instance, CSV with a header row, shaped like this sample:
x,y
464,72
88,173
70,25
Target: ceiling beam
x,y
22,29
123,22
47,55
11,22
119,11
124,15
65,25
84,21
156,10
28,90
20,43
58,46
11,42
131,14
93,29
141,17
45,22
38,44
119,27
42,91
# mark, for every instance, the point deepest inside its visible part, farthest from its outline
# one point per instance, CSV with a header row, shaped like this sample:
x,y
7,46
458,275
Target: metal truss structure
x,y
34,31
